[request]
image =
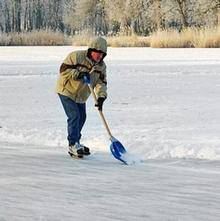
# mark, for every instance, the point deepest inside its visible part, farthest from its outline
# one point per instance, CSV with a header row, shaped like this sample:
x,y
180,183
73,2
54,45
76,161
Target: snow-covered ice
x,y
163,105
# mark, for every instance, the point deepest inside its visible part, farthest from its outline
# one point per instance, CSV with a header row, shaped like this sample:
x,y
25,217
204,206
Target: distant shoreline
x,y
188,38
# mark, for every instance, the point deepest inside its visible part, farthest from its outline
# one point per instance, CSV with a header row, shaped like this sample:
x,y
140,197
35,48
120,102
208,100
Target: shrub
x,y
198,38
35,38
115,41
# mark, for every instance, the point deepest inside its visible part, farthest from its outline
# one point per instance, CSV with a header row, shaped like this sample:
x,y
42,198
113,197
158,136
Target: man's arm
x,y
101,85
68,67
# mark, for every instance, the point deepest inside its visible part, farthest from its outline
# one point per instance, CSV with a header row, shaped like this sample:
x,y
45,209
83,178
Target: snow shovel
x,y
117,149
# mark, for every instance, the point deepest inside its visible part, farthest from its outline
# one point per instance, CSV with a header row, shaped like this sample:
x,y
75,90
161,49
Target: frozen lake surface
x,y
163,105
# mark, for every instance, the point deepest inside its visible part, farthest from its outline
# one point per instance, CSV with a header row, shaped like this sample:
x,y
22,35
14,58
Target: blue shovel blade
x,y
117,150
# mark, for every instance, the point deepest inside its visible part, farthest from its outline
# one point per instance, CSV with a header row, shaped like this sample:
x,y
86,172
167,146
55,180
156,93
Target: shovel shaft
x,y
117,149
100,112
105,124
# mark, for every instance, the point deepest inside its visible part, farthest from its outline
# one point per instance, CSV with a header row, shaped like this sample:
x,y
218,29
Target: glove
x,y
100,102
82,75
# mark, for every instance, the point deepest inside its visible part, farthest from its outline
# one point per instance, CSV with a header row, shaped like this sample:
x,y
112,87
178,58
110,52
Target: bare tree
x,y
107,16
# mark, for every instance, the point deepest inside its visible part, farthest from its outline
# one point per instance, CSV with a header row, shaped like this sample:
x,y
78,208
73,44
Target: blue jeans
x,y
76,117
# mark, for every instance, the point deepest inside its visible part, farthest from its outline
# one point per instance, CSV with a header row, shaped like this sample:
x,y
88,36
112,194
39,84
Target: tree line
x,y
107,17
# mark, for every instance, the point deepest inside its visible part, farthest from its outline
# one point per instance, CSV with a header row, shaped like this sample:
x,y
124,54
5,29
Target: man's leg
x,y
73,119
82,111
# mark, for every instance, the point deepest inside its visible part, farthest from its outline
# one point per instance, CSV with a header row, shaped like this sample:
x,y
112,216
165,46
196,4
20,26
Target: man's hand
x,y
82,75
100,102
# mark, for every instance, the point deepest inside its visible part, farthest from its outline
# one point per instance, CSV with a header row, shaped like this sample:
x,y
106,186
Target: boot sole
x,y
87,152
75,156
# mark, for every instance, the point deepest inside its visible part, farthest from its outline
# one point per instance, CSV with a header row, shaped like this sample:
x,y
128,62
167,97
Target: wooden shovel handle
x,y
100,112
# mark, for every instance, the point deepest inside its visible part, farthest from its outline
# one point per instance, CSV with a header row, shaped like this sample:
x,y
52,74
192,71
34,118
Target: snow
x,y
163,106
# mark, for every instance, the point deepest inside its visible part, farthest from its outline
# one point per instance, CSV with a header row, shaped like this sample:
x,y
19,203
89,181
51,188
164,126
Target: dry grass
x,y
198,38
188,38
207,38
116,41
170,39
128,41
40,38
81,40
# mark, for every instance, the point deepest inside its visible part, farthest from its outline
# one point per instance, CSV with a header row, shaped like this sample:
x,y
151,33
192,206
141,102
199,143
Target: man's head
x,y
97,49
96,56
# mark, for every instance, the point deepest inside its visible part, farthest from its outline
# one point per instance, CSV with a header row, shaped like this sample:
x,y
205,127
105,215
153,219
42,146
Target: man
x,y
77,68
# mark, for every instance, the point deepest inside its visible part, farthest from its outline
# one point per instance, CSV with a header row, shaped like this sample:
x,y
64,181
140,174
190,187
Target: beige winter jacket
x,y
76,62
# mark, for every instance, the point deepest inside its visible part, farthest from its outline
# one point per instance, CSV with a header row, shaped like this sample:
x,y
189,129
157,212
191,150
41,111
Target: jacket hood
x,y
99,44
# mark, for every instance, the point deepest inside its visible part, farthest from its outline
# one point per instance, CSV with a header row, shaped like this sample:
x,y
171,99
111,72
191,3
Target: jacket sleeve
x,y
68,67
101,85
